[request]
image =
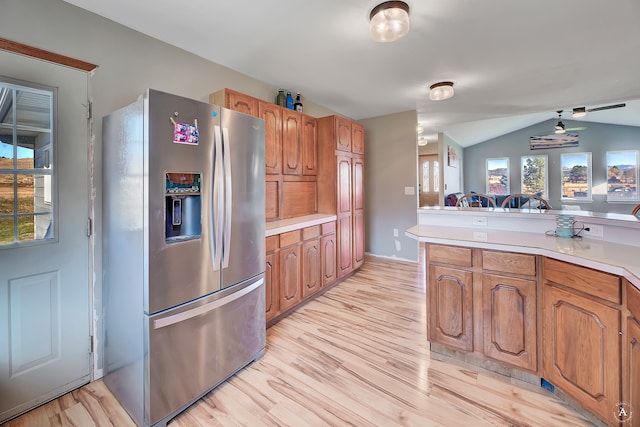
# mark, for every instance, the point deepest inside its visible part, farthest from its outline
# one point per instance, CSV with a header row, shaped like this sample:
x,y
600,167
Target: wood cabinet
x,y
272,278
450,293
309,145
311,263
341,187
291,142
328,253
581,350
357,138
509,319
290,270
631,352
272,116
235,101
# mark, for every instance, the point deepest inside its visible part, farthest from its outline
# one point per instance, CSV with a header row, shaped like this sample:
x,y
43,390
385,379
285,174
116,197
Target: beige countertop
x,y
284,225
611,257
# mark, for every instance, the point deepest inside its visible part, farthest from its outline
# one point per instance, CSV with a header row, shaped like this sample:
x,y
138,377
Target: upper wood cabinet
x,y
343,134
272,116
309,145
235,101
357,138
291,142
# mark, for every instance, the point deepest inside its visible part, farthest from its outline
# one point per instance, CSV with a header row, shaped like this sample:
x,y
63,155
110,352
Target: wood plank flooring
x,y
356,356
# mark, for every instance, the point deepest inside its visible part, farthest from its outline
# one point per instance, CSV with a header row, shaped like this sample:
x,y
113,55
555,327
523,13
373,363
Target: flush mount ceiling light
x,y
422,141
441,91
579,112
389,21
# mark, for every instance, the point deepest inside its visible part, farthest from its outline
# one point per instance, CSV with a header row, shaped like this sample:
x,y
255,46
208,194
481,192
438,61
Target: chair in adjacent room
x,y
636,211
523,201
475,200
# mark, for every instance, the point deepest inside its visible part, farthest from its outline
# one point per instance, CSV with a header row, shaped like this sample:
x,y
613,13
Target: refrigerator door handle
x,y
228,196
206,308
216,211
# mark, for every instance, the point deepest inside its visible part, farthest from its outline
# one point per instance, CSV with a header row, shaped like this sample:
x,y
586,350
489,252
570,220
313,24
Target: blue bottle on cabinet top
x,y
289,101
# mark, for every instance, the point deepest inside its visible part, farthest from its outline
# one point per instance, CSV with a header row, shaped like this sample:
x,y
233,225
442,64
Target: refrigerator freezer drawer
x,y
195,347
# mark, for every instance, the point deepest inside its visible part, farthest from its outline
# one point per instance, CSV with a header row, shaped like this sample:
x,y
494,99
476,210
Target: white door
x,y
44,279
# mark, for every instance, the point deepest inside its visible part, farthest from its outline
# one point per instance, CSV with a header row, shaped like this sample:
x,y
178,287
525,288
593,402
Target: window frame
x,y
486,176
545,194
589,197
622,200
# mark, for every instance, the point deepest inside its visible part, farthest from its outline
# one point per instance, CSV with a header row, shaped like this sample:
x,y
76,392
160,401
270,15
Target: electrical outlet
x,y
479,221
596,231
395,232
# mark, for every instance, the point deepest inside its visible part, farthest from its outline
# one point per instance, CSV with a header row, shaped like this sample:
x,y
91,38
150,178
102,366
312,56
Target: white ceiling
x,y
513,63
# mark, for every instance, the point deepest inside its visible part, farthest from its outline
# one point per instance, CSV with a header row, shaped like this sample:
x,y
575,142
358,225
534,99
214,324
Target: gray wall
x,y
453,176
390,166
597,139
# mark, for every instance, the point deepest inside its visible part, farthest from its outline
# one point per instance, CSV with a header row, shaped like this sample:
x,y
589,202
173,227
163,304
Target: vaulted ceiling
x,y
513,63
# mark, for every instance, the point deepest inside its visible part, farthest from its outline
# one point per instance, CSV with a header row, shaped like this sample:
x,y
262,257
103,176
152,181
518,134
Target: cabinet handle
x,y
619,332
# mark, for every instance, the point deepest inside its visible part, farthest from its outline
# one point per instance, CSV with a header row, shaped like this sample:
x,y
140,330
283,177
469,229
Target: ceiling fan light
x,y
389,21
579,112
441,91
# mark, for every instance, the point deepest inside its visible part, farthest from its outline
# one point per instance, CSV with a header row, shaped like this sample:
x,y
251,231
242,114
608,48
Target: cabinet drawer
x,y
289,238
272,243
328,228
450,255
508,262
596,283
633,300
310,232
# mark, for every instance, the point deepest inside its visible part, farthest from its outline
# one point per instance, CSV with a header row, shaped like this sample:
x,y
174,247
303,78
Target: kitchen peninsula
x,y
560,312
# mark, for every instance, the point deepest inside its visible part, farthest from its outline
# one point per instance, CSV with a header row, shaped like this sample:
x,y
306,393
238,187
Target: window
x,y
534,175
576,176
436,176
498,176
622,176
425,177
26,164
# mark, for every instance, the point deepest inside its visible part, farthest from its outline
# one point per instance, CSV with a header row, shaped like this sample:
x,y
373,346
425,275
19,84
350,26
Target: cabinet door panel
x,y
343,134
291,145
243,103
271,286
451,307
309,146
358,184
311,268
328,252
631,372
509,320
582,349
357,138
358,238
272,116
344,185
290,281
345,253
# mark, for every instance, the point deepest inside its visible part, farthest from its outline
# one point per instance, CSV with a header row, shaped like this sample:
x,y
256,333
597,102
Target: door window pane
x,y
534,175
436,176
497,176
26,163
576,176
425,176
622,176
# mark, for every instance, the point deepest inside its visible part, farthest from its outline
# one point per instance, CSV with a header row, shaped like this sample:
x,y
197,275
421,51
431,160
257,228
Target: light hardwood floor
x,y
355,356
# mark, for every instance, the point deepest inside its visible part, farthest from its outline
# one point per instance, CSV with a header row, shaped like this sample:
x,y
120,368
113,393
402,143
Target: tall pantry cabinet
x,y
341,186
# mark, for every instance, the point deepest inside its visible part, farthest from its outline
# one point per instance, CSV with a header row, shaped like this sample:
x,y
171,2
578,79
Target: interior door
x,y
428,194
44,286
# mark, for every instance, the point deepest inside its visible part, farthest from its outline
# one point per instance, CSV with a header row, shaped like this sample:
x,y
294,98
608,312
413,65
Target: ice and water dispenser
x,y
183,206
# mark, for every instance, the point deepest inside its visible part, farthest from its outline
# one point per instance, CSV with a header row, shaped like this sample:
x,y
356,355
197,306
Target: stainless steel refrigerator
x,y
183,251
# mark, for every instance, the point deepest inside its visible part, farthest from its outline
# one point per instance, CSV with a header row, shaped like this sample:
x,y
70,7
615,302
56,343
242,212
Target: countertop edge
x,y
417,232
291,224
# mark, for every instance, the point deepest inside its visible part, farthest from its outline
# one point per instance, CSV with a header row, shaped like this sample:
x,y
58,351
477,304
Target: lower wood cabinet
x,y
581,351
311,279
509,320
451,307
631,353
290,275
271,279
328,258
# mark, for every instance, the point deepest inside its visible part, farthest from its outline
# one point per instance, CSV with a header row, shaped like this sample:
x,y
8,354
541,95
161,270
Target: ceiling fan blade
x,y
569,129
606,107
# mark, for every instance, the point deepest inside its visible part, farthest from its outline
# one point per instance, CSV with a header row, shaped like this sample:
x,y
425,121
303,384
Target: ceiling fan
x,y
560,127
